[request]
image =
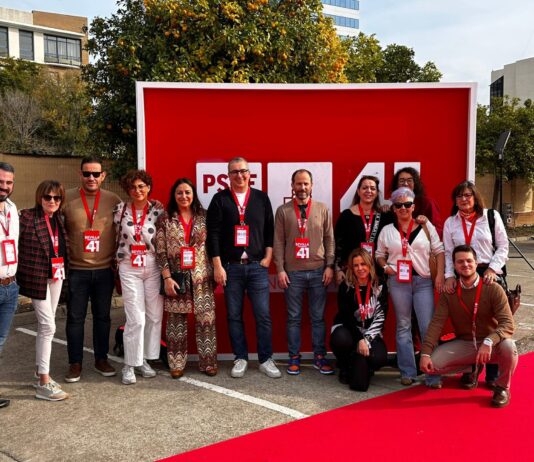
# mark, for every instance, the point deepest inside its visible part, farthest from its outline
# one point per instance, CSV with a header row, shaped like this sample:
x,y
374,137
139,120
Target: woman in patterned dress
x,y
181,248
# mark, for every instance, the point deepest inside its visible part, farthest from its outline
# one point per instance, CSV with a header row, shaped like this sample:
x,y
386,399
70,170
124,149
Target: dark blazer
x,y
34,253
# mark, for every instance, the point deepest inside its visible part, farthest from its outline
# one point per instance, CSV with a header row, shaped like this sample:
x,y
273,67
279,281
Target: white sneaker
x,y
50,391
239,369
270,370
128,375
145,370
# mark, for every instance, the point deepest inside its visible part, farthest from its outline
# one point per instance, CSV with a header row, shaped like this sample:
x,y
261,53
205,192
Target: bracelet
x,y
424,355
487,341
168,277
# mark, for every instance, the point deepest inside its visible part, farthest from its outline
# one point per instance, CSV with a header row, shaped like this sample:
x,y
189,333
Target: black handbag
x,y
181,278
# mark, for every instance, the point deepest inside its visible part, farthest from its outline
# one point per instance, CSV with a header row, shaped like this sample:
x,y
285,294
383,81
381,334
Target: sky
x,y
466,39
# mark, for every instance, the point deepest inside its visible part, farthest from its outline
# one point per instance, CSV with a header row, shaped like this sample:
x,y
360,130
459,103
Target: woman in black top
x,y
359,225
356,337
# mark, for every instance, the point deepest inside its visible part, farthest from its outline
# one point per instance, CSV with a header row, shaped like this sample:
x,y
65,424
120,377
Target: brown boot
x,y
104,368
74,373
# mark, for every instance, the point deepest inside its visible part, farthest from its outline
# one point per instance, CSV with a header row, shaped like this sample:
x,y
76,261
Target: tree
x,y
506,114
17,74
365,58
203,41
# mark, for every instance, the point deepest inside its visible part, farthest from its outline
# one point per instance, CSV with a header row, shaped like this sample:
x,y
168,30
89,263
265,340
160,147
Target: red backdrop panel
x,y
348,127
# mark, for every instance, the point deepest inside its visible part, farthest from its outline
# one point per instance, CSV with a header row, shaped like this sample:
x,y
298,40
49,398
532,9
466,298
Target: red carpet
x,y
416,424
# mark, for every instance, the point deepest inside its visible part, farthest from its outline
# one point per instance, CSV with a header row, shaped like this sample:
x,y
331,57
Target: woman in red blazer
x,y
42,264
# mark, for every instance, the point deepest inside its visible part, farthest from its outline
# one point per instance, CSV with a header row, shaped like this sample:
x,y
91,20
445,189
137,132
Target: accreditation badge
x,y
404,271
369,247
138,255
91,241
187,257
241,235
58,268
9,251
302,248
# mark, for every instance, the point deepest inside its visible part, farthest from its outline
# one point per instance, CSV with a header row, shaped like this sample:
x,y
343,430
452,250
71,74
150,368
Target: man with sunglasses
x,y
89,225
304,259
240,242
9,235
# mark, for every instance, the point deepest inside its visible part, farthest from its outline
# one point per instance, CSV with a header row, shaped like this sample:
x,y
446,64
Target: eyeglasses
x,y
138,187
48,198
464,196
243,171
93,174
406,205
405,180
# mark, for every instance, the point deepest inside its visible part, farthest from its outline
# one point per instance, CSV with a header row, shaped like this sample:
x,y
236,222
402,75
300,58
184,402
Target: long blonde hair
x,y
367,259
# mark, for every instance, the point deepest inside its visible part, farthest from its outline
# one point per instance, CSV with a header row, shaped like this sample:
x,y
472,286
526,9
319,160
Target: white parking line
x,y
198,383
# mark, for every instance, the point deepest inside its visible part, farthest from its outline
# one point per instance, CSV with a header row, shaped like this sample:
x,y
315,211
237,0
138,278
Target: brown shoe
x,y
501,397
469,380
176,373
74,373
406,381
211,371
104,368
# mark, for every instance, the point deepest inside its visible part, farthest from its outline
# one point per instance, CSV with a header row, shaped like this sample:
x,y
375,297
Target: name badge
x,y
9,251
302,248
369,247
58,269
138,256
404,271
241,235
91,241
187,257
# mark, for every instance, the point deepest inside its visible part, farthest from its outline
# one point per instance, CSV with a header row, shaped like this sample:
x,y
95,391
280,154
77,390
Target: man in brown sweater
x,y
483,324
92,242
304,257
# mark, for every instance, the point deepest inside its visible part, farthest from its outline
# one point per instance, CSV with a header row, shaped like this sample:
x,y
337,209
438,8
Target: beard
x,y
4,195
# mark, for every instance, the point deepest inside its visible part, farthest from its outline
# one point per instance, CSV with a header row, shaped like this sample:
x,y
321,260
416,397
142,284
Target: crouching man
x,y
483,325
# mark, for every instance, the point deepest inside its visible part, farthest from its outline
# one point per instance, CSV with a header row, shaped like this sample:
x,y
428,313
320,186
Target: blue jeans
x,y
254,279
8,305
299,282
96,285
418,294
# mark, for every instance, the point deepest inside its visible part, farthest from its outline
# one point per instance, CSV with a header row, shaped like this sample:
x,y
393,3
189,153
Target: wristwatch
x,y
487,341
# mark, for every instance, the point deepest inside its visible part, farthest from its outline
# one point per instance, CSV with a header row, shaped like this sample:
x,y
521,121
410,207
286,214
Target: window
x,y
4,44
63,50
351,4
344,22
26,44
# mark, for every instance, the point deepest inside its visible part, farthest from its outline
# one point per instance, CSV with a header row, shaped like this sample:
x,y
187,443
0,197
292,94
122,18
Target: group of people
x,y
169,260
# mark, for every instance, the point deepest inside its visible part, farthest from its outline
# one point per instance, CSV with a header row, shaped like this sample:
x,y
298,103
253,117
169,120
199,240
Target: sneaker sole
x,y
128,382
292,372
72,379
272,376
237,375
103,374
49,398
324,372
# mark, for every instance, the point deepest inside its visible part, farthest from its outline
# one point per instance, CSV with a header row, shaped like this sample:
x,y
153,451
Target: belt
x,y
7,281
243,261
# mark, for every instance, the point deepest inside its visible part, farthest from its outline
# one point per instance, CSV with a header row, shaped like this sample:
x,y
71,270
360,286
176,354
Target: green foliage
x,y
41,112
504,115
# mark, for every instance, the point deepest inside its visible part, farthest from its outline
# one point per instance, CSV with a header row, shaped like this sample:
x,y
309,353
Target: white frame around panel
x,y
471,86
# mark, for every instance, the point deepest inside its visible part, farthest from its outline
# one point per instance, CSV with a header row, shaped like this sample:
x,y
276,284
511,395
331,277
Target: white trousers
x,y
45,310
143,306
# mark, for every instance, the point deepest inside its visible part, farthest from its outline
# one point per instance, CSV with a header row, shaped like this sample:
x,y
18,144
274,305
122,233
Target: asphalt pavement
x,y
104,420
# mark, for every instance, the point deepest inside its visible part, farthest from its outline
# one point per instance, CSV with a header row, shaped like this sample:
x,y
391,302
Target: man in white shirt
x,y
9,235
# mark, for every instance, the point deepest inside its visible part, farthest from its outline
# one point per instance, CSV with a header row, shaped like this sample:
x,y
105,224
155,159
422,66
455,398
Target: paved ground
x,y
105,420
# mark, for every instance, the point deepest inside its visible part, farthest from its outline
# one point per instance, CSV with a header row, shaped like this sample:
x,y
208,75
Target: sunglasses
x,y
406,205
93,174
48,198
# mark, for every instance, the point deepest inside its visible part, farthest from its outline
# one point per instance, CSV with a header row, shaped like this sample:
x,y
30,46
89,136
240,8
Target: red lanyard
x,y
90,216
367,224
139,226
363,308
53,237
241,208
405,238
188,227
475,308
8,221
302,223
469,236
